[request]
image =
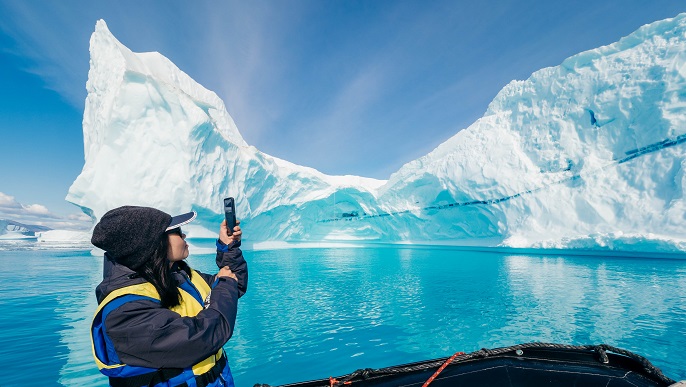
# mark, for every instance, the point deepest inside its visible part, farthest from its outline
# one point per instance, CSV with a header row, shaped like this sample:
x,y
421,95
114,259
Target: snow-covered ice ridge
x,y
585,155
19,236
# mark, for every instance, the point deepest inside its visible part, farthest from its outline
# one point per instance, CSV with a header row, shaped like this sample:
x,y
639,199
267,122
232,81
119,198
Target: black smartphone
x,y
230,214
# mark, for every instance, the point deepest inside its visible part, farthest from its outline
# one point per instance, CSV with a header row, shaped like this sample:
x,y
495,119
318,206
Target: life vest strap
x,y
165,374
210,376
149,379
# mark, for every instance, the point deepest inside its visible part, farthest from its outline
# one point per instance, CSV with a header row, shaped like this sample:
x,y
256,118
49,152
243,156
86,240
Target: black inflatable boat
x,y
533,364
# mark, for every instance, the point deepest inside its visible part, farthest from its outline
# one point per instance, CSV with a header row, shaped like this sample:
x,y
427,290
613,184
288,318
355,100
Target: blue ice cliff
x,y
585,155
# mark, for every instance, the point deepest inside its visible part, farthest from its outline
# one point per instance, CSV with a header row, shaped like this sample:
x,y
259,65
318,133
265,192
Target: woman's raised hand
x,y
224,234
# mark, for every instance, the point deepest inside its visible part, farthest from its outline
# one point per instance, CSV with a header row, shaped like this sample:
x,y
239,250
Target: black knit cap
x,y
130,235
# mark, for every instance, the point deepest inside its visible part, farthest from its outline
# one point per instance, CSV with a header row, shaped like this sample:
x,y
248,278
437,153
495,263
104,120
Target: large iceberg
x,y
588,154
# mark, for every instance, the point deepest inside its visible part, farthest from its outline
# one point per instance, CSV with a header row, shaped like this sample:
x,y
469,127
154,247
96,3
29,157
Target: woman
x,y
159,322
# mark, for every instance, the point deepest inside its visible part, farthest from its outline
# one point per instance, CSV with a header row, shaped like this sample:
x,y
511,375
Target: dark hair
x,y
158,272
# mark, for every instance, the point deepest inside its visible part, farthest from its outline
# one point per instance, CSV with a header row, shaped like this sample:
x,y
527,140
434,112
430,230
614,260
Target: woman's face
x,y
178,248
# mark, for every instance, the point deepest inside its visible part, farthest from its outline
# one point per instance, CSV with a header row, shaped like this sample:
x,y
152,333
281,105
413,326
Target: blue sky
x,y
346,87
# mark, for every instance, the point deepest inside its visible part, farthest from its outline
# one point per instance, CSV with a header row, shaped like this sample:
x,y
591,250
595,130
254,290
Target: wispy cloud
x,y
52,56
243,39
365,73
37,214
339,86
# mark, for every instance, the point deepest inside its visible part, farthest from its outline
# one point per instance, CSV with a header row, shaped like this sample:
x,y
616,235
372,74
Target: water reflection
x,y
630,303
326,312
544,296
76,307
42,316
319,312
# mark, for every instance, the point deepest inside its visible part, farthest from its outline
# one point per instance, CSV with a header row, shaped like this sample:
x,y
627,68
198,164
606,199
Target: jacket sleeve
x,y
232,256
145,334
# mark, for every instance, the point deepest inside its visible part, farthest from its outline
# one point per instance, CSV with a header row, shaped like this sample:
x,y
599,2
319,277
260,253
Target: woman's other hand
x,y
226,273
224,234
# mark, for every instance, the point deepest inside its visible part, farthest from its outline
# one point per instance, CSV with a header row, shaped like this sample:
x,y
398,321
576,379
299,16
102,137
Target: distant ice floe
x,y
23,238
64,236
18,236
589,154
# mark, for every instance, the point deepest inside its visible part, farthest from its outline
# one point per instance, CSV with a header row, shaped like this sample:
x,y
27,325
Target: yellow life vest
x,y
191,304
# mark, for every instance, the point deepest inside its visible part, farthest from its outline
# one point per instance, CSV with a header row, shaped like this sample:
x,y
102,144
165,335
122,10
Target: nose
x,y
183,236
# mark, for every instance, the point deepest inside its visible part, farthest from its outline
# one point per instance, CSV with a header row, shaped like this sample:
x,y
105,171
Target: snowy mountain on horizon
x,y
588,154
10,229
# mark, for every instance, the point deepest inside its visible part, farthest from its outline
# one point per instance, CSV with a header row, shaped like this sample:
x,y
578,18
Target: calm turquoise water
x,y
313,313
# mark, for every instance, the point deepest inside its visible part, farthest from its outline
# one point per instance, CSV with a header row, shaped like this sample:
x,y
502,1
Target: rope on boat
x,y
450,360
334,382
600,349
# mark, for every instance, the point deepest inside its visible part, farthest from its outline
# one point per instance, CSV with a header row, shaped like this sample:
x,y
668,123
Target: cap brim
x,y
179,220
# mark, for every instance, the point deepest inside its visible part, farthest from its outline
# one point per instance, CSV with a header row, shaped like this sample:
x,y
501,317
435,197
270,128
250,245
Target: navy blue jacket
x,y
145,334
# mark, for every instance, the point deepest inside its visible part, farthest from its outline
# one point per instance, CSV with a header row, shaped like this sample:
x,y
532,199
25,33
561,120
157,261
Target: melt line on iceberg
x,y
630,155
